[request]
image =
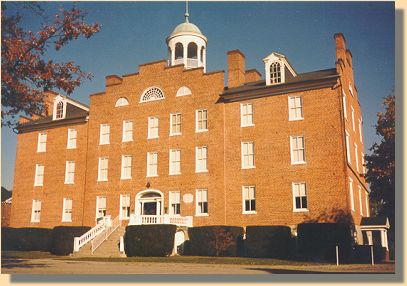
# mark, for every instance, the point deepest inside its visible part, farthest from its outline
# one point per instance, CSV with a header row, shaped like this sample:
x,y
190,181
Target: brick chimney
x,y
340,44
236,68
49,97
252,75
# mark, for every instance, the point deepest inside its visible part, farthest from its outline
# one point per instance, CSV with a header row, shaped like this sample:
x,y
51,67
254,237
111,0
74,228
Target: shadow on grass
x,y
19,263
297,271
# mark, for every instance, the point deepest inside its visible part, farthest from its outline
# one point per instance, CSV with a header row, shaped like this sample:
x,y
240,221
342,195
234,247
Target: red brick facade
x,y
325,172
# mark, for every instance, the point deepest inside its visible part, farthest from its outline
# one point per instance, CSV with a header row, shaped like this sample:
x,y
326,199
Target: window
x,y
360,200
367,204
152,94
67,210
246,115
352,202
360,130
201,163
72,137
39,175
124,207
103,168
247,155
59,114
126,167
175,162
356,157
345,113
201,120
353,118
363,163
175,124
275,73
295,108
350,89
69,172
175,203
183,90
152,127
152,164
127,131
104,134
347,147
201,202
297,150
100,206
36,211
122,101
42,142
299,197
249,199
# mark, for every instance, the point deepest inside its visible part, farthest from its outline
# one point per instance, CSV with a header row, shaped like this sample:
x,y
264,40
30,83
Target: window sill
x,y
69,148
104,143
250,167
175,134
38,185
248,125
300,210
37,221
249,212
298,163
151,176
124,179
296,119
105,180
69,183
202,214
66,220
41,151
201,131
152,138
124,141
201,171
174,174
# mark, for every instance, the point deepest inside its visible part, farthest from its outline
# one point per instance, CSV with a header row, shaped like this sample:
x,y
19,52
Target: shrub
x,y
25,239
362,254
215,240
149,240
63,238
268,241
317,241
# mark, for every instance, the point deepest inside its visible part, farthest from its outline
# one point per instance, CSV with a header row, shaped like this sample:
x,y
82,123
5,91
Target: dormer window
x,y
60,110
275,73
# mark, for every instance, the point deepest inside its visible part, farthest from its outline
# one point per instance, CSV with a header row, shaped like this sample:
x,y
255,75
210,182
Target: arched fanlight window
x,y
192,51
179,51
151,94
122,101
183,90
275,73
59,110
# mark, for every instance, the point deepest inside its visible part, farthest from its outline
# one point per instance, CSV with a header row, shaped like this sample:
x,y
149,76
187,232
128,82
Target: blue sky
x,y
134,33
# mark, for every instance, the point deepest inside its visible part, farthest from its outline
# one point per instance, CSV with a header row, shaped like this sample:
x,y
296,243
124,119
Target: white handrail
x,y
160,219
98,240
89,235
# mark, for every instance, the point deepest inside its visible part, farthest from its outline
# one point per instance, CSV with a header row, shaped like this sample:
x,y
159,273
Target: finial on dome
x,y
186,12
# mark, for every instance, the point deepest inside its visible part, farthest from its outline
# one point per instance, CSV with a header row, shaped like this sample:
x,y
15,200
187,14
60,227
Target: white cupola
x,y
187,45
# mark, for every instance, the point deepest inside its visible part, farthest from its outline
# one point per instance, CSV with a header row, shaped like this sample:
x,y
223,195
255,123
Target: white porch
x,y
161,219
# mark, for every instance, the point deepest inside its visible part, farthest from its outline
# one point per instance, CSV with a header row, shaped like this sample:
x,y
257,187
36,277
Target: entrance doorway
x,y
149,203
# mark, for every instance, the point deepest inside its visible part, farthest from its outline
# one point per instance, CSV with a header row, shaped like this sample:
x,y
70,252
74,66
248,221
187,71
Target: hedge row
x,y
58,240
215,241
268,241
362,254
149,240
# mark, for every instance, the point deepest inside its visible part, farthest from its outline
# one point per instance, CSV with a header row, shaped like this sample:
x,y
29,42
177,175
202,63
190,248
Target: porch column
x,y
383,239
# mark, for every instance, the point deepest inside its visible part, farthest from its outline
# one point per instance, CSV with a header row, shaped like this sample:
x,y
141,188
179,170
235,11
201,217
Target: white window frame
x,y
203,111
97,206
72,140
127,134
42,142
121,101
360,130
122,216
360,200
172,115
69,174
103,134
201,161
292,117
100,178
295,209
151,127
197,207
362,156
367,204
55,108
298,150
183,90
151,164
356,157
172,201
246,197
173,162
351,195
245,114
243,155
350,87
347,143
345,113
125,159
66,212
37,182
353,118
36,211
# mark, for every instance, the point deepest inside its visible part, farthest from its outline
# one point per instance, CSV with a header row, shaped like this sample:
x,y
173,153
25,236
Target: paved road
x,y
54,266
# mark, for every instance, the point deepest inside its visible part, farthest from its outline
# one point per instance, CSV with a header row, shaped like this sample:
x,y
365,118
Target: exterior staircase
x,y
108,248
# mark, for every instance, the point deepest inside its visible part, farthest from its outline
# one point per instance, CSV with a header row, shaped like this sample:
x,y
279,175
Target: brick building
x,y
171,141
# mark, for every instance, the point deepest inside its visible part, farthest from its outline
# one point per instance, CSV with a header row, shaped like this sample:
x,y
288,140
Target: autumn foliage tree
x,y
381,163
25,73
